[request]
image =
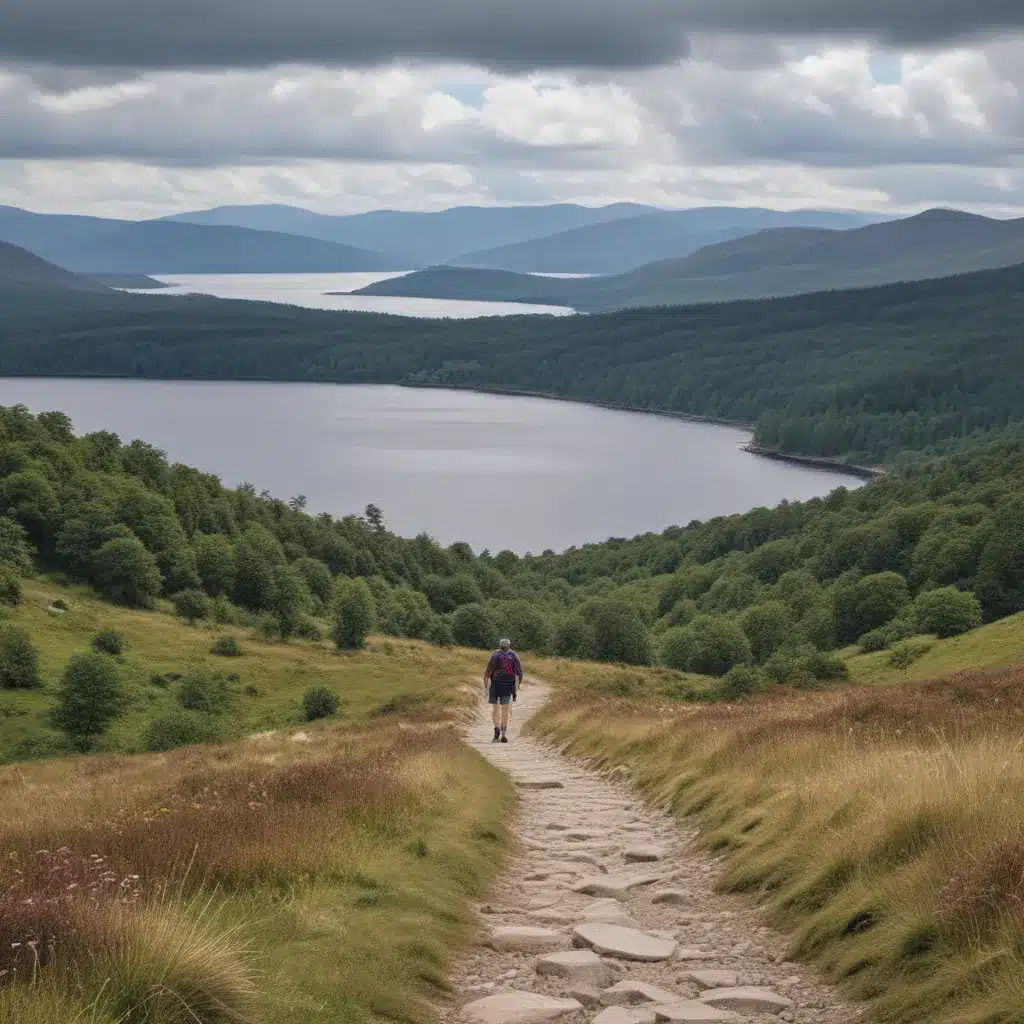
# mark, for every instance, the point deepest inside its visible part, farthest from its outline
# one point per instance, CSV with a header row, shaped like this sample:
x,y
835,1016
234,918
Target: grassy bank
x,y
391,675
881,827
281,878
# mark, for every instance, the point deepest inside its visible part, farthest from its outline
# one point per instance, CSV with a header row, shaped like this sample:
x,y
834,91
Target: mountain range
x,y
771,263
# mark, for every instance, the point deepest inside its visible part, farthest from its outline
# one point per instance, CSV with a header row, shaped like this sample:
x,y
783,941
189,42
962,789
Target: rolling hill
x,y
22,272
420,238
94,245
772,263
621,245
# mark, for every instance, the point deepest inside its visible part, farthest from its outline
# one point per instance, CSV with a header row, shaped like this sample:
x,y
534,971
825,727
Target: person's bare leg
x,y
505,708
496,710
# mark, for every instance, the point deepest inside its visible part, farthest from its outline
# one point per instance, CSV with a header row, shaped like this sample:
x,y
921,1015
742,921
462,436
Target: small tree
x,y
124,572
619,633
711,645
215,563
473,626
767,627
90,696
108,641
205,691
226,647
947,612
319,702
355,616
191,605
439,632
574,638
19,661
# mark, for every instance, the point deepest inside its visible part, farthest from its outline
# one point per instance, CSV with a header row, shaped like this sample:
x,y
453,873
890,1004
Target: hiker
x,y
502,677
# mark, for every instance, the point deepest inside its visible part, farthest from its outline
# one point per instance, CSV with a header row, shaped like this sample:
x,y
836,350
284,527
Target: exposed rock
x,y
551,915
607,911
518,1008
586,996
625,1015
690,1011
581,966
614,886
540,784
631,993
625,943
687,953
583,834
671,896
643,854
747,1000
525,939
713,979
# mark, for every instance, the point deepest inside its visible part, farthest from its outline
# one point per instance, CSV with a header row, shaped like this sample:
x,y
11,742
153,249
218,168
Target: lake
x,y
310,290
496,471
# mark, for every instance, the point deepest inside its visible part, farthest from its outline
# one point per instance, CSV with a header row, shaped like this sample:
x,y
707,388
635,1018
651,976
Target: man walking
x,y
502,677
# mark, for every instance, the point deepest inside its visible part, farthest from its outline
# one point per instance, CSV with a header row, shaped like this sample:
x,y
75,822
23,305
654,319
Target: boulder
x,y
632,993
518,1008
525,939
625,943
747,999
580,966
643,854
713,979
690,1011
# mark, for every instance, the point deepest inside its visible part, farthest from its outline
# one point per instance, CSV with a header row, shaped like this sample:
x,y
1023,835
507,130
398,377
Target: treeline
x,y
860,375
934,547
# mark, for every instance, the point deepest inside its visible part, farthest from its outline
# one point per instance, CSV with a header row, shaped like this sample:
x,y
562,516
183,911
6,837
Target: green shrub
x,y
828,667
767,627
710,645
683,612
905,654
181,728
89,697
108,641
355,616
191,605
226,647
876,640
268,628
206,691
19,660
439,632
124,572
473,626
308,629
741,681
947,612
574,638
319,702
10,587
619,633
60,604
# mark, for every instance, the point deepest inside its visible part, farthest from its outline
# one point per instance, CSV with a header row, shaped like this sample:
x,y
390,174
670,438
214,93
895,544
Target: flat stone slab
x,y
625,943
584,858
690,1011
625,1015
673,897
518,1008
688,953
551,915
587,995
746,999
525,939
633,993
581,966
583,834
540,784
613,886
713,979
643,854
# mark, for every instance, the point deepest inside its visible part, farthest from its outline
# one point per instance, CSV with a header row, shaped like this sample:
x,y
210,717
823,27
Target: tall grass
x,y
256,881
883,828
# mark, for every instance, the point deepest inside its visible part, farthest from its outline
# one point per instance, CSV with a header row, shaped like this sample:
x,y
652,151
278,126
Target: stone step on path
x,y
607,914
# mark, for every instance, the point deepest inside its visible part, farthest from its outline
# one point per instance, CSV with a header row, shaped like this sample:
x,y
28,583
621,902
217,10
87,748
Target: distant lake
x,y
311,290
496,471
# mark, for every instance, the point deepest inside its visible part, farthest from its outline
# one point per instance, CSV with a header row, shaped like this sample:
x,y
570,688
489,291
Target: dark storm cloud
x,y
506,34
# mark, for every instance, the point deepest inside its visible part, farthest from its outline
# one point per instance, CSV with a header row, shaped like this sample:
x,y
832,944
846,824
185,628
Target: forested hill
x,y
778,262
861,375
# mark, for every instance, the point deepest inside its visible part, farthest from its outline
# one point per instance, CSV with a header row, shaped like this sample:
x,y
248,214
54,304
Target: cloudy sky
x,y
143,107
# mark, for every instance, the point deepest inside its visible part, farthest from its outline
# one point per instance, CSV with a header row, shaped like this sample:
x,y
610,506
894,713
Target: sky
x,y
139,108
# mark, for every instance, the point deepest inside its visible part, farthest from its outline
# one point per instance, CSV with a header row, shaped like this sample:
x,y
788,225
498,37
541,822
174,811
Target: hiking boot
x,y
497,736
504,738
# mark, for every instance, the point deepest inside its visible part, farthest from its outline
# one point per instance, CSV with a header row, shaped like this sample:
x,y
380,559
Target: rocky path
x,y
608,914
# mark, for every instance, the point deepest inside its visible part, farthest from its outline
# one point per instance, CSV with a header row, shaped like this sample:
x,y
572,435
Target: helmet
x,y
505,643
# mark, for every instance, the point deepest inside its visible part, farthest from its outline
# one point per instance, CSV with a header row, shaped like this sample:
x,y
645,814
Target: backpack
x,y
504,667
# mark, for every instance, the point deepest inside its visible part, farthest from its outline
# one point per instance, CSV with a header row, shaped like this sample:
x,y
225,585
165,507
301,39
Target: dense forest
x,y
862,375
932,548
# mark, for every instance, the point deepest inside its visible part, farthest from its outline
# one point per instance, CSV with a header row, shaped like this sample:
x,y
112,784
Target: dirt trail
x,y
551,952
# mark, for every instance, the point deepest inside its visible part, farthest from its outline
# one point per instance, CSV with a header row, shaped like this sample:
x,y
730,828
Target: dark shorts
x,y
500,693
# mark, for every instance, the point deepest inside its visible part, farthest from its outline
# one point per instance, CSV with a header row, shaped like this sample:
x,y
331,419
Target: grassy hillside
x,y
862,375
879,827
771,263
23,273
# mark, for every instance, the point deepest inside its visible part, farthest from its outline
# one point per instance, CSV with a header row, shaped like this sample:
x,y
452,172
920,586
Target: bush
x,y
10,588
180,728
876,640
683,612
868,603
741,681
90,696
439,632
804,667
828,667
905,654
191,605
108,641
268,628
710,645
207,692
215,563
767,627
226,647
472,626
124,572
221,611
355,616
947,612
619,633
19,661
308,629
574,638
319,702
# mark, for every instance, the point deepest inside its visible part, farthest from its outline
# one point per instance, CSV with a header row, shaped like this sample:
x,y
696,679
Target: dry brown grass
x,y
881,827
